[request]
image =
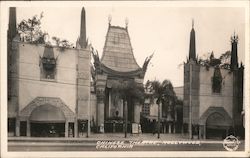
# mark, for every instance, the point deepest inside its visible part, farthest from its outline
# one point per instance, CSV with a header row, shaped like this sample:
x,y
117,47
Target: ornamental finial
x,y
192,23
126,22
109,19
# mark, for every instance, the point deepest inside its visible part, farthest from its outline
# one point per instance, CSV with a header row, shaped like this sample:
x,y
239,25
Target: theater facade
x,y
49,87
213,95
56,92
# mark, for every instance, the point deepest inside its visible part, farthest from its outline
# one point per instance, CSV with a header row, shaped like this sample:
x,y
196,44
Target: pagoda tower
x,y
116,66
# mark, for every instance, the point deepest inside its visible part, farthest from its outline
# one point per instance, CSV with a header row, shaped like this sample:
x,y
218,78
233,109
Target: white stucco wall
x,y
154,109
30,83
208,98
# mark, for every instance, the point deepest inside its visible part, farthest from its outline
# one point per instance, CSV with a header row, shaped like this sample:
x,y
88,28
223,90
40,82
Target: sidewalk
x,y
110,136
141,142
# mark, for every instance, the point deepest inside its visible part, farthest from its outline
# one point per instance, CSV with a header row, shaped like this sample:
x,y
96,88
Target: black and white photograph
x,y
125,79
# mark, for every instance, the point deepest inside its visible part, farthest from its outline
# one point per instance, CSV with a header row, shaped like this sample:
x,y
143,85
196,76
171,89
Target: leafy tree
x,y
223,61
161,91
62,43
30,30
164,94
129,91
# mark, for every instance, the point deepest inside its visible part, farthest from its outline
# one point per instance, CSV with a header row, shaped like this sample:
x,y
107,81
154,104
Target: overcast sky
x,y
163,30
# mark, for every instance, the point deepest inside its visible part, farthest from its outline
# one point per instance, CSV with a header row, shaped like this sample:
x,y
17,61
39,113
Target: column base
x,y
169,128
17,132
100,129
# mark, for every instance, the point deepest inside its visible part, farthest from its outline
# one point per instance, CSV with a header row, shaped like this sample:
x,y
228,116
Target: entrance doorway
x,y
47,121
216,126
41,129
213,133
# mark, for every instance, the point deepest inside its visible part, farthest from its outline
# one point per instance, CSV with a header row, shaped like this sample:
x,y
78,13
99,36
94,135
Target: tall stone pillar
x,y
205,134
110,104
169,128
101,80
17,127
200,132
76,128
28,129
137,110
66,128
83,89
100,109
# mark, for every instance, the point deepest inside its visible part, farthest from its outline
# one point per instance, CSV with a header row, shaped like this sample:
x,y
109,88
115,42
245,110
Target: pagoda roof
x,y
118,53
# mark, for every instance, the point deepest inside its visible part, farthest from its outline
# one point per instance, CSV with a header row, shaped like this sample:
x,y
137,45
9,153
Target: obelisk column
x,y
82,39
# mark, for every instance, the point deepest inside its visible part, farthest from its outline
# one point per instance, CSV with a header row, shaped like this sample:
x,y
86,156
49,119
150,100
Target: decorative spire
x,y
234,52
192,49
192,23
12,31
82,40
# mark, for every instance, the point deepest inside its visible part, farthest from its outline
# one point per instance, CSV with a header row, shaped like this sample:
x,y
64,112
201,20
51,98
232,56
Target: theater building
x,y
50,91
213,96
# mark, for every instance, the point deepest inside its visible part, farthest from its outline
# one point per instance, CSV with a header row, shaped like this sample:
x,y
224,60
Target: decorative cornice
x,y
138,72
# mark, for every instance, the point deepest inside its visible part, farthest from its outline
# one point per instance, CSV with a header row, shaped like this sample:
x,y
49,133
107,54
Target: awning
x,y
47,113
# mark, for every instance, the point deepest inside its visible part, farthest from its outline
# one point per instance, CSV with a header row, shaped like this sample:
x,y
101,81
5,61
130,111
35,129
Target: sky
x,y
160,29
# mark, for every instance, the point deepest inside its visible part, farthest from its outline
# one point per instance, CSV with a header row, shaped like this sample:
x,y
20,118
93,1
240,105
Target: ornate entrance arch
x,y
215,118
57,102
47,113
216,112
53,111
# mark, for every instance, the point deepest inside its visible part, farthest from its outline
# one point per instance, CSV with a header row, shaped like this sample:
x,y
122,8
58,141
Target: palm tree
x,y
164,94
129,91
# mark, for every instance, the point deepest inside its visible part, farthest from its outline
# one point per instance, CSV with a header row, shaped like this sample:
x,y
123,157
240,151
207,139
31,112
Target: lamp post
x,y
126,117
159,120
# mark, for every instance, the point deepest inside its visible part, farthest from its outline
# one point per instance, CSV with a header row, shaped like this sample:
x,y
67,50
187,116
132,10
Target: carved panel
x,y
219,111
100,93
57,102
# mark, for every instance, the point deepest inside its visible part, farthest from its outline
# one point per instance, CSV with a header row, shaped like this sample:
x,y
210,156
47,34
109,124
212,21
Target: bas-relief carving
x,y
100,94
212,110
57,102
